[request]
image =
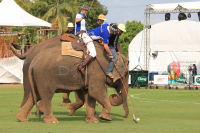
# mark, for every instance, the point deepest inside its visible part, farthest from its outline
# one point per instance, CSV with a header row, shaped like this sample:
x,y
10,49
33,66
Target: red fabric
x,y
87,43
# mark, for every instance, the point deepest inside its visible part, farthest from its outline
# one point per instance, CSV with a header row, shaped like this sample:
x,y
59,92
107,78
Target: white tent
x,y
177,41
11,70
173,6
13,15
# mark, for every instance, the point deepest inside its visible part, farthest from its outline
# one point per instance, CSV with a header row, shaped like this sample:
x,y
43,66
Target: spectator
x,y
70,28
101,19
194,72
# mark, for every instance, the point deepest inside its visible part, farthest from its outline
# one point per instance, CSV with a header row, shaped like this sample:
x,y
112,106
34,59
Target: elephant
x,y
28,58
50,73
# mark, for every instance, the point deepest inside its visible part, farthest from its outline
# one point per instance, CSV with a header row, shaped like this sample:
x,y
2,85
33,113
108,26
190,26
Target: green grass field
x,y
159,110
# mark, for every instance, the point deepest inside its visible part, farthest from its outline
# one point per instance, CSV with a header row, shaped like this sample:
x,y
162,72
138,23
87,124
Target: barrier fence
x,y
155,80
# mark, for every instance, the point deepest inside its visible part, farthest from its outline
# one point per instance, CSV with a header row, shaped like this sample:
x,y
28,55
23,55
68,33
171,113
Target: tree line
x,y
60,12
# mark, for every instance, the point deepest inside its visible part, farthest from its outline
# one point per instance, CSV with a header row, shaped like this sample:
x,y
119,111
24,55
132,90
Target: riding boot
x,y
81,67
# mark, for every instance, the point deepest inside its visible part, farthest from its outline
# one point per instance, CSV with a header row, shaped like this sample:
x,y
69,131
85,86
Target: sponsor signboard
x,y
142,79
181,79
197,80
161,79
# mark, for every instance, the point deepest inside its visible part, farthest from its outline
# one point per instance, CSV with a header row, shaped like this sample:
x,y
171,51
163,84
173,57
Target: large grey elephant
x,y
50,72
28,58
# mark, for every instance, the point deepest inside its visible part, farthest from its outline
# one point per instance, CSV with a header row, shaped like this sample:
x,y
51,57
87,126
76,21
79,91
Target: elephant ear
x,y
121,68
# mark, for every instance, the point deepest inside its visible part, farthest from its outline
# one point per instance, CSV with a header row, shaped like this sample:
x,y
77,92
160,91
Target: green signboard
x,y
142,79
181,79
198,80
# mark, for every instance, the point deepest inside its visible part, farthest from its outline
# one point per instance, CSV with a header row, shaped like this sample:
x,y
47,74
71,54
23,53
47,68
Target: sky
x,y
121,11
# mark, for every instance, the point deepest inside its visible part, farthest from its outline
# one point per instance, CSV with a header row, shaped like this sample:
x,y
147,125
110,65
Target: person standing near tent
x,y
70,29
101,19
113,41
194,72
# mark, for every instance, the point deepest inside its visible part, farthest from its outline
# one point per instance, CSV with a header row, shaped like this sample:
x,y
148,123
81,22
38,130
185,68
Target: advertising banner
x,y
197,80
161,79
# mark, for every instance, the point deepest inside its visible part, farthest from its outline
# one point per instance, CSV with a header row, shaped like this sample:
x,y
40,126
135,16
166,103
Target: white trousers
x,y
90,45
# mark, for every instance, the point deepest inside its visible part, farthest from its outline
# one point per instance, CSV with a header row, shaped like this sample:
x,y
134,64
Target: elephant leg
x,y
90,110
40,109
66,99
25,109
72,107
48,114
101,96
125,106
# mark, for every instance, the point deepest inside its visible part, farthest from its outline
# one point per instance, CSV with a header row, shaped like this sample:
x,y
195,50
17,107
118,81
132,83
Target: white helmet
x,y
122,27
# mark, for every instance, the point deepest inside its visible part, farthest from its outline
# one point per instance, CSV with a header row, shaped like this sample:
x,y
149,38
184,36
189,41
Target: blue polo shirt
x,y
80,25
101,31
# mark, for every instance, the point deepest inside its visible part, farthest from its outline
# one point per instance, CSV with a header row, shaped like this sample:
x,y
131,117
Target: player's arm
x,y
78,18
107,49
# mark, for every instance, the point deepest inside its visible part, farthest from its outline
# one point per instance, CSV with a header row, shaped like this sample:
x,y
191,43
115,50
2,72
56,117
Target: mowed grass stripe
x,y
159,110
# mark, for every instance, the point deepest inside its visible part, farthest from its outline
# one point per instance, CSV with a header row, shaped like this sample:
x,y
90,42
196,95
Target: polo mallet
x,y
134,119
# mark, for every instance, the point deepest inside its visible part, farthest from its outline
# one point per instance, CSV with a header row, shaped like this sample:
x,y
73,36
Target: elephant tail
x,y
14,49
30,76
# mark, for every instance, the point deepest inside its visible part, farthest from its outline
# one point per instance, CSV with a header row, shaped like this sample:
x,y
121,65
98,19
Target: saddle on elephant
x,y
76,49
68,38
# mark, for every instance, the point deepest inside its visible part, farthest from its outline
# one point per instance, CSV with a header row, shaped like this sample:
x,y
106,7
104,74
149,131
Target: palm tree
x,y
56,12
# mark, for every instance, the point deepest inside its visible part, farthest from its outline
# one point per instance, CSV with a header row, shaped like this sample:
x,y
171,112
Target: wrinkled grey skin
x,y
28,57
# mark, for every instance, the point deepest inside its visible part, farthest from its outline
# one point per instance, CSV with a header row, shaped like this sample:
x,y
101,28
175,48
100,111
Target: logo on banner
x,y
181,80
161,79
198,80
142,79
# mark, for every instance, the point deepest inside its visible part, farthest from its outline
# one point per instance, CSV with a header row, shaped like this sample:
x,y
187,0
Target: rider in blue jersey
x,y
104,31
81,26
80,19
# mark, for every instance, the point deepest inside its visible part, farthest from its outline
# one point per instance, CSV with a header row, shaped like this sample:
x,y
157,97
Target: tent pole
x,y
147,38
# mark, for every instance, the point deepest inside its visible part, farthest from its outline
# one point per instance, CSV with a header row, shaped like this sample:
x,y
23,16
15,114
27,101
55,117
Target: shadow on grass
x,y
77,116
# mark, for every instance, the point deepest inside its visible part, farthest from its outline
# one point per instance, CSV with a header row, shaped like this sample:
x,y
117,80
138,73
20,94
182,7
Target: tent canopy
x,y
173,6
171,36
13,15
174,40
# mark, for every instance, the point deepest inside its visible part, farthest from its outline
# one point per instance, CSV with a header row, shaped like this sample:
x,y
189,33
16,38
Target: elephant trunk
x,y
122,90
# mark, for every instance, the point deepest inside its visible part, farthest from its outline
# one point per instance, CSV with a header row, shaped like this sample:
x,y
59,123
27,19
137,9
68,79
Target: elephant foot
x,y
50,120
21,118
126,115
29,113
91,120
95,114
39,111
99,105
65,102
71,109
105,117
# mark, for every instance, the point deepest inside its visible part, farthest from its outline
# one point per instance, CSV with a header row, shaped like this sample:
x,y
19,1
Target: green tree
x,y
54,11
96,9
132,29
23,4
